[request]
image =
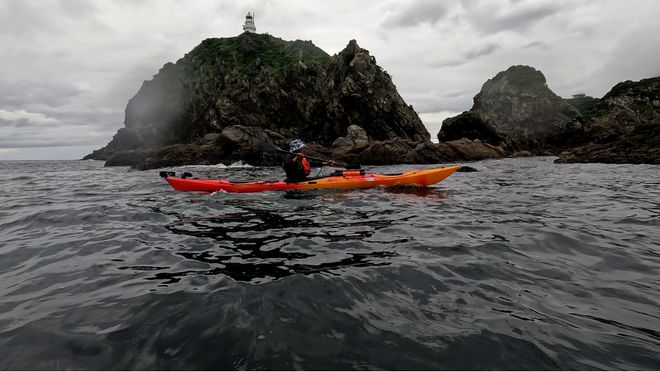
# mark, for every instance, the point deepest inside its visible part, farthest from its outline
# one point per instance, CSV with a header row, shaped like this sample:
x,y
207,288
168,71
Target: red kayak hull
x,y
349,180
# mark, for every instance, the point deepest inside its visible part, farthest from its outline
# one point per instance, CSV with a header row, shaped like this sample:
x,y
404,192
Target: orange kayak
x,y
348,179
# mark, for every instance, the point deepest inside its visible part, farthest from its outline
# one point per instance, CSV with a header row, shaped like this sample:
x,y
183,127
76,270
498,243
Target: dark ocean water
x,y
525,264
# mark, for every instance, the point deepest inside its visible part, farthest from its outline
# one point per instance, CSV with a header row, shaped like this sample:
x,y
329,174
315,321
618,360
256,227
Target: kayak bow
x,y
349,179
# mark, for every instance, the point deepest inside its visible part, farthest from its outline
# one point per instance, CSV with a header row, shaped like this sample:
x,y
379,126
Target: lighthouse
x,y
249,24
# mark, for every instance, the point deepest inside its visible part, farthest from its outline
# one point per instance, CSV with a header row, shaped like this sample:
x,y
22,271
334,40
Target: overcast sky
x,y
68,67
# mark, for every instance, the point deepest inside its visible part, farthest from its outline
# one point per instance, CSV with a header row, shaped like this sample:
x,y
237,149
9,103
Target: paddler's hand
x,y
332,163
299,156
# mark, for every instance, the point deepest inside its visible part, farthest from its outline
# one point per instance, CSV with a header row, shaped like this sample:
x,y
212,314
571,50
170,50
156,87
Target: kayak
x,y
347,179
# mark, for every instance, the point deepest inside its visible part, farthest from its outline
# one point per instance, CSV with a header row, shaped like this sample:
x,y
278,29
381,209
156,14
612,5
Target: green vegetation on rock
x,y
523,78
248,53
622,127
291,88
585,105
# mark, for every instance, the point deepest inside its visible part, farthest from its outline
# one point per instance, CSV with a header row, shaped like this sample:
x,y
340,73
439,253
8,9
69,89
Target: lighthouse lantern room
x,y
249,24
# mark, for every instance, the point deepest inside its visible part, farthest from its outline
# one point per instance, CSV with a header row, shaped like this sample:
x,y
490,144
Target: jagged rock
x,y
349,147
128,158
519,104
342,142
432,153
176,155
467,169
209,139
401,151
474,150
520,107
521,154
250,143
398,151
291,88
642,146
468,125
251,139
123,140
355,137
624,126
347,154
358,91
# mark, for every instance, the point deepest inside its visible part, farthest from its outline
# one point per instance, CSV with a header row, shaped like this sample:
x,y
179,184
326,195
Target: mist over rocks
x,y
290,88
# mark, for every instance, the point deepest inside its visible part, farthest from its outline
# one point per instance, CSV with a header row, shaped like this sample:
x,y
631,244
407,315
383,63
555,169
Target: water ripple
x,y
525,264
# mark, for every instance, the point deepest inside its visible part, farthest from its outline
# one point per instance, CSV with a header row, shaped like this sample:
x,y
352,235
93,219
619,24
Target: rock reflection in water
x,y
255,245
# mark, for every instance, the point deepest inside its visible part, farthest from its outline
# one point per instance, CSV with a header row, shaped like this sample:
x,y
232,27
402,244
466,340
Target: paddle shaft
x,y
347,166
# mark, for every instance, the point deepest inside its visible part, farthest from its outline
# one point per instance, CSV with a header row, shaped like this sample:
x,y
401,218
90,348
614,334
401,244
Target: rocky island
x,y
622,127
517,112
229,98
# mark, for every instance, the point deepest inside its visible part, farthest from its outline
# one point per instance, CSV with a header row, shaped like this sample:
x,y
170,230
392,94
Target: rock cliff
x,y
622,127
516,110
291,88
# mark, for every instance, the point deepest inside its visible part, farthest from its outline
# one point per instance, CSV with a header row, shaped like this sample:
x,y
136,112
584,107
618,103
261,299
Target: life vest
x,y
296,170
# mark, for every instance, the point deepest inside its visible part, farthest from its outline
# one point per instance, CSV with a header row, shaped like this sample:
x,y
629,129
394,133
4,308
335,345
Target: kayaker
x,y
296,165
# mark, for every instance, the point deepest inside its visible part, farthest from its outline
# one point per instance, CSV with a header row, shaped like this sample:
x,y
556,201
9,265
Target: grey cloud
x,y
448,63
22,18
468,4
78,8
20,123
466,57
519,16
80,61
26,18
482,51
23,133
17,142
455,94
628,61
421,11
19,94
528,16
538,45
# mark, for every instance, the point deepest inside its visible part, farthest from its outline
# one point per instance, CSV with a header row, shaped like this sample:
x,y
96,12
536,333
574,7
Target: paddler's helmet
x,y
296,145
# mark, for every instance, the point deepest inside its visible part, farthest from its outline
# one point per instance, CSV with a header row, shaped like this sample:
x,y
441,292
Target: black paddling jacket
x,y
297,170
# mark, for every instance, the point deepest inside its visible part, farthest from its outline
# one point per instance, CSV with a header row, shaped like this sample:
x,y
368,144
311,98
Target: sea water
x,y
525,264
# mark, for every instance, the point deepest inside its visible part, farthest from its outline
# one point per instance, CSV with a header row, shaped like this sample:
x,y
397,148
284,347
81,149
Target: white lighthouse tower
x,y
249,24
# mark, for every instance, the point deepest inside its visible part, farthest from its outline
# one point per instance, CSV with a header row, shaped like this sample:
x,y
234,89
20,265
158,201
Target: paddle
x,y
272,147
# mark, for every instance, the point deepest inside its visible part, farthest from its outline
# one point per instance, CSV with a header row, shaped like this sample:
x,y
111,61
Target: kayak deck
x,y
348,180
